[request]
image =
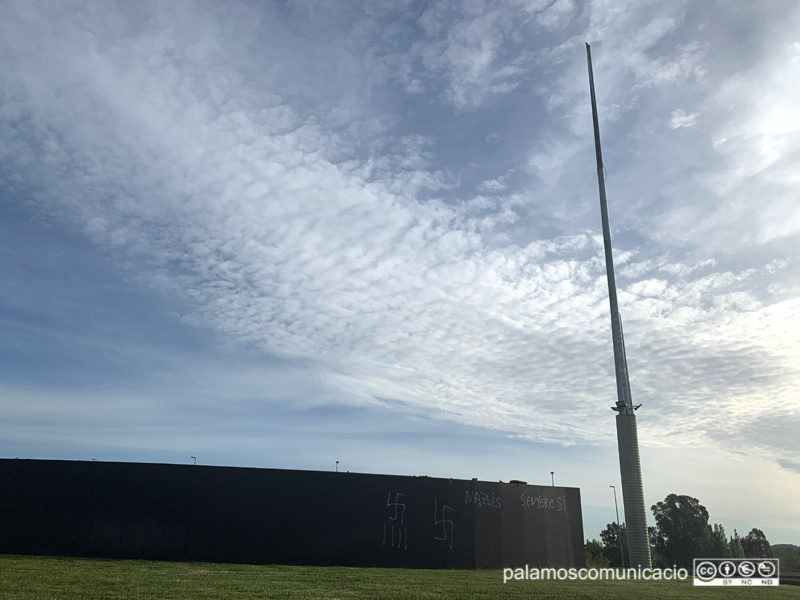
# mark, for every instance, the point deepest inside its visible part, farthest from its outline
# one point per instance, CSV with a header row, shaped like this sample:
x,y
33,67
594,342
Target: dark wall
x,y
264,516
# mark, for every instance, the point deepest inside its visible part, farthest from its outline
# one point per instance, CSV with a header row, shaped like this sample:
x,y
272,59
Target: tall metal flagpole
x,y
627,436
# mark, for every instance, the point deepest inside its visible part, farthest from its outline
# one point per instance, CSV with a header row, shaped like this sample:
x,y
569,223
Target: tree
x,y
613,536
789,555
681,522
755,544
735,549
714,543
595,555
658,560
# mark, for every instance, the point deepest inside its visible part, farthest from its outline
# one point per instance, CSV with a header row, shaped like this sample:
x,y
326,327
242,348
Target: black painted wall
x,y
271,516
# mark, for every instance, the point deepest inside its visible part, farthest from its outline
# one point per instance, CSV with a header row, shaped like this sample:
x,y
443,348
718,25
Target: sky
x,y
284,234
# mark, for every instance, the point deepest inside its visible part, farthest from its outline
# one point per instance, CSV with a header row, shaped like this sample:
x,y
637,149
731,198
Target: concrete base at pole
x,y
632,492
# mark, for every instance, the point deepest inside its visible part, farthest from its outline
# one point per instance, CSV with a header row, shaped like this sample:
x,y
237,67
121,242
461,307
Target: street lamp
x,y
195,459
552,480
337,466
619,526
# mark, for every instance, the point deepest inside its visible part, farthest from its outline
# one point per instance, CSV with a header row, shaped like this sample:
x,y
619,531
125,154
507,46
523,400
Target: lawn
x,y
45,578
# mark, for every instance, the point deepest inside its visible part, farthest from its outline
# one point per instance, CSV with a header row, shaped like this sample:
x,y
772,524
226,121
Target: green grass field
x,y
44,578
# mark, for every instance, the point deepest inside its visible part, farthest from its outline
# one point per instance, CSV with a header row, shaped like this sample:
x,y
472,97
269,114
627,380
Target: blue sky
x,y
281,234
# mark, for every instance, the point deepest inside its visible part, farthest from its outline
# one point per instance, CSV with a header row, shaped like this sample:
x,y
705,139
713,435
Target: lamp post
x,y
619,537
195,459
630,467
337,466
552,481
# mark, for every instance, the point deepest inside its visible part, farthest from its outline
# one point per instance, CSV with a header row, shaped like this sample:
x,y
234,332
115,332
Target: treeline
x,y
682,533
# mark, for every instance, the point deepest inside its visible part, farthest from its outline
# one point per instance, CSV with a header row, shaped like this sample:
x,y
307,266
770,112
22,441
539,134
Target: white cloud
x,y
491,186
679,118
557,15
